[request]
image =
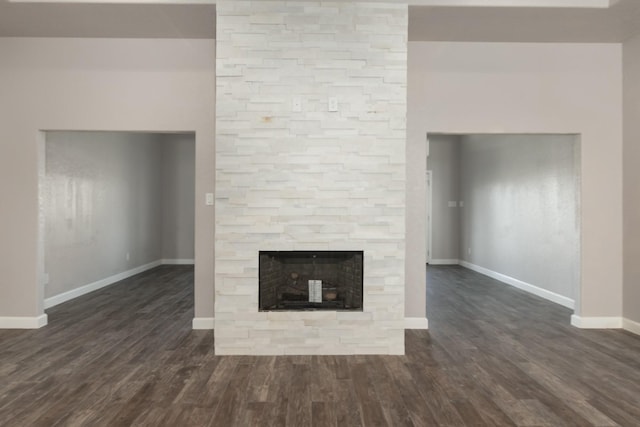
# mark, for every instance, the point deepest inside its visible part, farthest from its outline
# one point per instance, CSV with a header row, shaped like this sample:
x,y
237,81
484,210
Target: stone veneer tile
x,y
310,179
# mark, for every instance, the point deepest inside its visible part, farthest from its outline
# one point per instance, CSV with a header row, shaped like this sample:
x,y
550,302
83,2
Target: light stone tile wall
x,y
310,179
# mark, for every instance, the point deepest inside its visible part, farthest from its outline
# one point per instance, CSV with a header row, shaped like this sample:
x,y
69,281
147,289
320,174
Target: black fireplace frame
x,y
348,297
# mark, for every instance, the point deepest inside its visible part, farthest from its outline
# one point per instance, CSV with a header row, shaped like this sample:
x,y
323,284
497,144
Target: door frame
x,y
429,211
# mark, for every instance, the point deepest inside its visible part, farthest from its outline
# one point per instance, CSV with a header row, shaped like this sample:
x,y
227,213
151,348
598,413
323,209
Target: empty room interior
x,y
114,204
399,212
507,206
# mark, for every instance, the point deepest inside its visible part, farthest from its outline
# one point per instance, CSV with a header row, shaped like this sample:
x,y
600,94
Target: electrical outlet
x,y
128,256
469,251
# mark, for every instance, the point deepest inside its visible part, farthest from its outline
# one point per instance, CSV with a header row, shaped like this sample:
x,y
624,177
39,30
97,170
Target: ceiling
x,y
460,20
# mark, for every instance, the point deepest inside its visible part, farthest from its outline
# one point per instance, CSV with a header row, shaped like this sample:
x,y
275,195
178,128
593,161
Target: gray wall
x,y
443,162
178,181
520,215
166,85
157,85
465,88
631,55
115,201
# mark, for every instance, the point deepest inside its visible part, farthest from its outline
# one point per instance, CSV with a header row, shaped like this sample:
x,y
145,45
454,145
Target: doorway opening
x,y
113,204
508,206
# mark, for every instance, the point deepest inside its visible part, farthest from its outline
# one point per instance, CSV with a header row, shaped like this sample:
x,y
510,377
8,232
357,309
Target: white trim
x,y
444,262
596,322
416,323
203,323
185,261
23,322
429,210
82,290
527,287
631,326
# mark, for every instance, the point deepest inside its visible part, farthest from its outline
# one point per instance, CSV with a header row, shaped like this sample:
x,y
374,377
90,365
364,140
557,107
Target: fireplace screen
x,y
310,280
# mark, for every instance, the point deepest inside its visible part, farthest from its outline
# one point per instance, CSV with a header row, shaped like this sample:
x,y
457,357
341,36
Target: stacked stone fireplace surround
x,y
291,175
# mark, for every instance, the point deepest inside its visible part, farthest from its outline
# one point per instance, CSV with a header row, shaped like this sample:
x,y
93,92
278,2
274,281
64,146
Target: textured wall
x,y
178,201
103,201
521,208
310,179
109,194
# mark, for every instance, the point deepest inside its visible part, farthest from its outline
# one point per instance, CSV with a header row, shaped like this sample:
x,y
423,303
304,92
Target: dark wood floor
x,y
126,355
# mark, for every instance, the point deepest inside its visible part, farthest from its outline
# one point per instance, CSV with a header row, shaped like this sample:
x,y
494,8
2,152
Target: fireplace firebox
x,y
310,280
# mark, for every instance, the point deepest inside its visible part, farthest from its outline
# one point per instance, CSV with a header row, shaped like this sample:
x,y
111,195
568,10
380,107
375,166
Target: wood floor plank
x,y
278,393
229,410
494,356
323,384
299,409
372,413
408,391
348,411
323,414
393,406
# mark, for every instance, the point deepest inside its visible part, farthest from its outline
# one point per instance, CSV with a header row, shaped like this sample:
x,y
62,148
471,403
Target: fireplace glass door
x,y
310,280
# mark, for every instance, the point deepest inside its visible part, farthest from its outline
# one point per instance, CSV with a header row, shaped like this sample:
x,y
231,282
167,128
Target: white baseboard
x,y
527,287
203,323
82,290
444,262
596,322
631,326
606,323
416,323
23,322
185,261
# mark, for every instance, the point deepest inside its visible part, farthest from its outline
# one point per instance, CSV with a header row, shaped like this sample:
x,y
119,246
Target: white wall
x,y
178,175
95,84
115,201
444,162
526,88
631,181
521,209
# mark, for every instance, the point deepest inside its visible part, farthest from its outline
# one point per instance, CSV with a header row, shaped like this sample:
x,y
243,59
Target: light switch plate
x,y
208,199
333,104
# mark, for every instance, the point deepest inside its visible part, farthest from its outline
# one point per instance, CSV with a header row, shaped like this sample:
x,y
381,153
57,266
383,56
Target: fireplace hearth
x,y
310,280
